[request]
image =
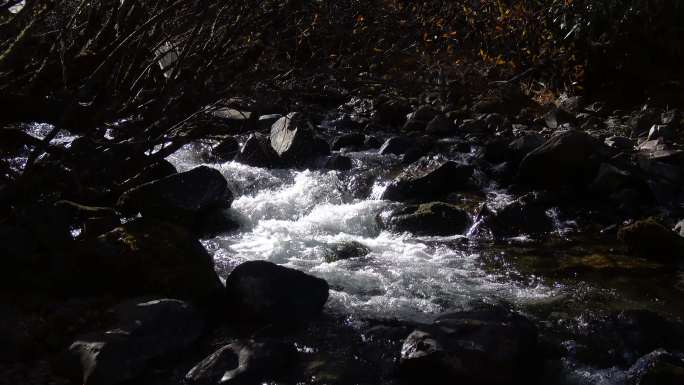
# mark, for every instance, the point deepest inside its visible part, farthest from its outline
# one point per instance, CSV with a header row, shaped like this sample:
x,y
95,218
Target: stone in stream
x,y
620,143
371,142
226,150
610,180
396,145
488,345
157,170
436,218
257,152
143,257
657,368
179,198
338,162
569,158
293,140
265,122
245,362
428,180
262,292
520,147
346,250
523,216
679,228
440,125
353,140
649,239
145,330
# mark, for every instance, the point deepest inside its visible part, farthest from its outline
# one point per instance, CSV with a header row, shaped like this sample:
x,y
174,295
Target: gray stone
x,y
428,180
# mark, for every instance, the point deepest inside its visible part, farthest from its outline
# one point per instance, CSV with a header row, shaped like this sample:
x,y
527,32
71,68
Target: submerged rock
x,y
293,141
523,216
226,150
650,239
180,197
257,152
145,330
486,345
263,292
338,162
396,145
434,218
346,250
244,363
353,140
428,180
570,158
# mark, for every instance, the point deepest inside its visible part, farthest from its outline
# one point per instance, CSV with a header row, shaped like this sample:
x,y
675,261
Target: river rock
x,y
338,162
257,152
567,158
436,218
144,257
658,131
428,180
265,122
293,140
649,239
226,150
679,228
180,198
353,140
145,330
371,142
244,362
610,180
346,250
486,345
440,125
620,143
157,170
520,147
396,145
522,216
263,292
657,368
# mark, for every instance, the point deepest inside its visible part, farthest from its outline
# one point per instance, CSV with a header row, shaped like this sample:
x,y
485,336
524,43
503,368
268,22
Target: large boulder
x,y
523,216
520,147
257,152
650,239
488,345
226,150
143,257
244,362
428,180
568,158
263,292
293,140
657,368
144,330
352,140
434,218
180,198
396,145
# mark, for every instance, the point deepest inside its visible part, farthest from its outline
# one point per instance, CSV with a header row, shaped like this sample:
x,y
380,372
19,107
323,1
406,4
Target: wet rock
x,y
658,131
419,119
496,150
390,111
265,122
396,145
640,122
610,180
293,140
568,158
143,257
346,250
180,198
657,368
486,345
144,331
620,143
649,239
434,218
523,216
558,118
20,334
428,180
353,140
263,292
245,362
157,170
440,125
338,162
572,104
672,118
257,152
226,150
215,222
519,148
371,142
679,228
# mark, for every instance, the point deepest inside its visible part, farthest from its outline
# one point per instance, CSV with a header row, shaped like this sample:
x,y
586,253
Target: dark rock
x,y
157,170
390,111
419,119
19,334
568,158
353,140
428,180
572,104
245,363
144,331
319,147
346,250
143,257
658,131
679,228
265,122
649,239
434,218
620,143
672,118
496,150
557,118
642,121
293,140
257,152
440,125
338,162
486,345
657,368
263,292
215,222
371,142
397,145
522,146
226,150
180,197
523,216
610,180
